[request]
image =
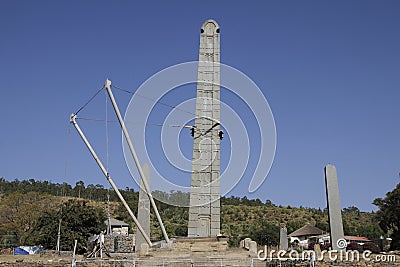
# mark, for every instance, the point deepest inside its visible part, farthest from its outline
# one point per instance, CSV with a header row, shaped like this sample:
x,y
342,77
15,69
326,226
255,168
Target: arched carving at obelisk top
x,y
210,27
204,211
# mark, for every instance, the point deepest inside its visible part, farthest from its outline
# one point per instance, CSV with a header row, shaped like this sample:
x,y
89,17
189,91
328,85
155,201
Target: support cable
x,y
67,152
94,119
107,86
171,106
145,97
90,100
154,100
107,175
129,123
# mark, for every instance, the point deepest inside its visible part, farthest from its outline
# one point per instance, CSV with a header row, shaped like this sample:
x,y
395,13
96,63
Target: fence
x,y
240,262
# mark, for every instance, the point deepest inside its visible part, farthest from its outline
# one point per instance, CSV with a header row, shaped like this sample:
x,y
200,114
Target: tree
x,y
294,225
348,229
352,209
79,188
269,203
388,215
20,213
322,225
372,231
264,232
79,221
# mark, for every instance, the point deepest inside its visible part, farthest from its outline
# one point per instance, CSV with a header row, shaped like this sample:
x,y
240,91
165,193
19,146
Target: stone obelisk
x,y
204,211
334,210
283,239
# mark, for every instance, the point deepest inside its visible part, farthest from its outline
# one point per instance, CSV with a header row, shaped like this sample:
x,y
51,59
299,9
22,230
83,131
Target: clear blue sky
x,y
329,69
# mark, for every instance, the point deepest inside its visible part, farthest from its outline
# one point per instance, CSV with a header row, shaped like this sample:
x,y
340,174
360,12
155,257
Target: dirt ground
x,y
35,260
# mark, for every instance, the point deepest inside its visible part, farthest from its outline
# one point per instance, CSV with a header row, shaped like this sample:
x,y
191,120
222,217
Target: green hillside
x,y
240,217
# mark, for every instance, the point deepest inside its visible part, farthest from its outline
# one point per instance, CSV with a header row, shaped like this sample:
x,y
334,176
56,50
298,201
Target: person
x,y
312,261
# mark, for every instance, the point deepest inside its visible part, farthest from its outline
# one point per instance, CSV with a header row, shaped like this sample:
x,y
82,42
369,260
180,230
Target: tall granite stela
x,y
143,210
334,211
283,239
204,211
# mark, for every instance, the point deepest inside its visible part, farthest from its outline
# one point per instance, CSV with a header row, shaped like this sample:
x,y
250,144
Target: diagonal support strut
x,y
107,86
106,174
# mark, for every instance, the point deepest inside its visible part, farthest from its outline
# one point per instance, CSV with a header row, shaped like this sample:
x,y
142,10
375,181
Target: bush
x,y
264,232
325,246
355,246
234,240
371,247
181,230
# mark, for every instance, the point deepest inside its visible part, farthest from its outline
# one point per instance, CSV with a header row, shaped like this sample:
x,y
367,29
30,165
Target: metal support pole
x,y
96,158
107,85
108,215
73,264
58,238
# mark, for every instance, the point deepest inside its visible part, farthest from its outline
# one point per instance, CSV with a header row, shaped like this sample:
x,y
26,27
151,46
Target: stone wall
x,y
124,243
109,242
119,243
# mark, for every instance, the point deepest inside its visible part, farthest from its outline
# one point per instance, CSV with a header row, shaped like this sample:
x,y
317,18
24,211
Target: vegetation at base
x,y
20,212
389,215
30,212
79,221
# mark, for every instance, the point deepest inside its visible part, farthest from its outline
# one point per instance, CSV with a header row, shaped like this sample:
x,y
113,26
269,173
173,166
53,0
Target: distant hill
x,y
240,217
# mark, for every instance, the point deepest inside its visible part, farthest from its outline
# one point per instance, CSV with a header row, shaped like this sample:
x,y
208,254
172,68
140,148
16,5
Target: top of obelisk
x,y
210,27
